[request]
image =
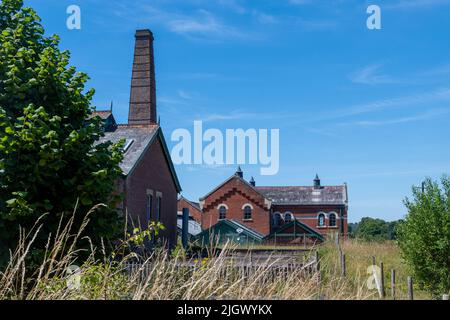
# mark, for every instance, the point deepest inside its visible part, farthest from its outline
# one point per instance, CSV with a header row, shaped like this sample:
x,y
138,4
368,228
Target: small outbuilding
x,y
294,232
229,230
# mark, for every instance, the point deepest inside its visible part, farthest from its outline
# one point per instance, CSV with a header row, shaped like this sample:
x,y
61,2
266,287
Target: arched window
x,y
222,212
276,219
332,219
247,213
321,220
288,217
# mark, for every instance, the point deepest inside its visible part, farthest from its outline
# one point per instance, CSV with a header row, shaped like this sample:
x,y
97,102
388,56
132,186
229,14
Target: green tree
x,y
424,236
370,229
49,150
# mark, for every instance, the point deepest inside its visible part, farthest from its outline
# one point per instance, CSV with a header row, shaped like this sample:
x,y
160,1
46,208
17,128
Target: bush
x,y
424,237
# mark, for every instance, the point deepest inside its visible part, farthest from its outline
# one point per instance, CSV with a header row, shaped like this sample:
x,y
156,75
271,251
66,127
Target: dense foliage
x,y
424,237
49,151
370,229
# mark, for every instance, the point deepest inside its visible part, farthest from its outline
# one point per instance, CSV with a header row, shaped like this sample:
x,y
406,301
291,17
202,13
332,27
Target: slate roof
x,y
141,137
233,224
247,230
299,224
104,114
297,195
234,176
307,195
194,204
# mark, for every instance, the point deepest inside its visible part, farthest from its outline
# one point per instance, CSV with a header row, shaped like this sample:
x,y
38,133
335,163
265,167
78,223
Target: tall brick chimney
x,y
143,88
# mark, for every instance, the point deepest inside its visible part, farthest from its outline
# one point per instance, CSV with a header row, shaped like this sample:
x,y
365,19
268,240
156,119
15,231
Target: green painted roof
x,y
233,224
301,225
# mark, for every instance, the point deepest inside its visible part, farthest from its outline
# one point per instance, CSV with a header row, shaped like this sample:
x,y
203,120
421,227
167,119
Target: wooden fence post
x,y
383,292
317,261
374,262
410,289
393,283
445,297
343,267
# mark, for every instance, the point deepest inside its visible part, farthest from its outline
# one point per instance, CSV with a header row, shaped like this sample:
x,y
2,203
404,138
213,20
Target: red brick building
x,y
195,212
149,183
313,211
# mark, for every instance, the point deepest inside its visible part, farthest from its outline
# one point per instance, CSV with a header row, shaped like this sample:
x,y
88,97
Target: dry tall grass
x,y
359,257
161,277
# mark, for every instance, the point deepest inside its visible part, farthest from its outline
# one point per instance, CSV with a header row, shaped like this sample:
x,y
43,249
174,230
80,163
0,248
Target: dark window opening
x,y
222,213
247,213
149,207
332,220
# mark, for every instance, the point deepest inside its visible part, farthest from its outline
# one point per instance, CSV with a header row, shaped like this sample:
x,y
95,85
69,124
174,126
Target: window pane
x,y
332,220
321,220
247,213
158,209
222,213
149,207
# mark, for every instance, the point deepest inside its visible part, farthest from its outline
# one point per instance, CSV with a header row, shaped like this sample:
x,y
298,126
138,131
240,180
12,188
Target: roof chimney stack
x,y
239,172
143,88
316,182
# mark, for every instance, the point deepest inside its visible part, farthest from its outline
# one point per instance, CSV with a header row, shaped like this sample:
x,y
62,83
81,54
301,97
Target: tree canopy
x,y
49,151
370,229
424,237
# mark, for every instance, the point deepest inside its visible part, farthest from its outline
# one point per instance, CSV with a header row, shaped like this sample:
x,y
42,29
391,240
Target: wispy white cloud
x,y
413,4
428,97
300,2
264,18
438,71
315,24
423,99
184,95
414,118
203,24
198,24
199,76
371,75
240,115
233,5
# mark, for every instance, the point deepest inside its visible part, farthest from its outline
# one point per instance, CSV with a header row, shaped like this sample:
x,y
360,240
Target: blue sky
x,y
366,107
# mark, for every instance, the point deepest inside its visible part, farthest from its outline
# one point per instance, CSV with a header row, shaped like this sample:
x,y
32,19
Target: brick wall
x,y
194,212
309,216
153,174
234,195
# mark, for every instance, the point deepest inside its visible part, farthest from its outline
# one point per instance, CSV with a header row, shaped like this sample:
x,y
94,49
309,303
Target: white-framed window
x,y
288,217
247,212
277,219
321,219
222,212
332,219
